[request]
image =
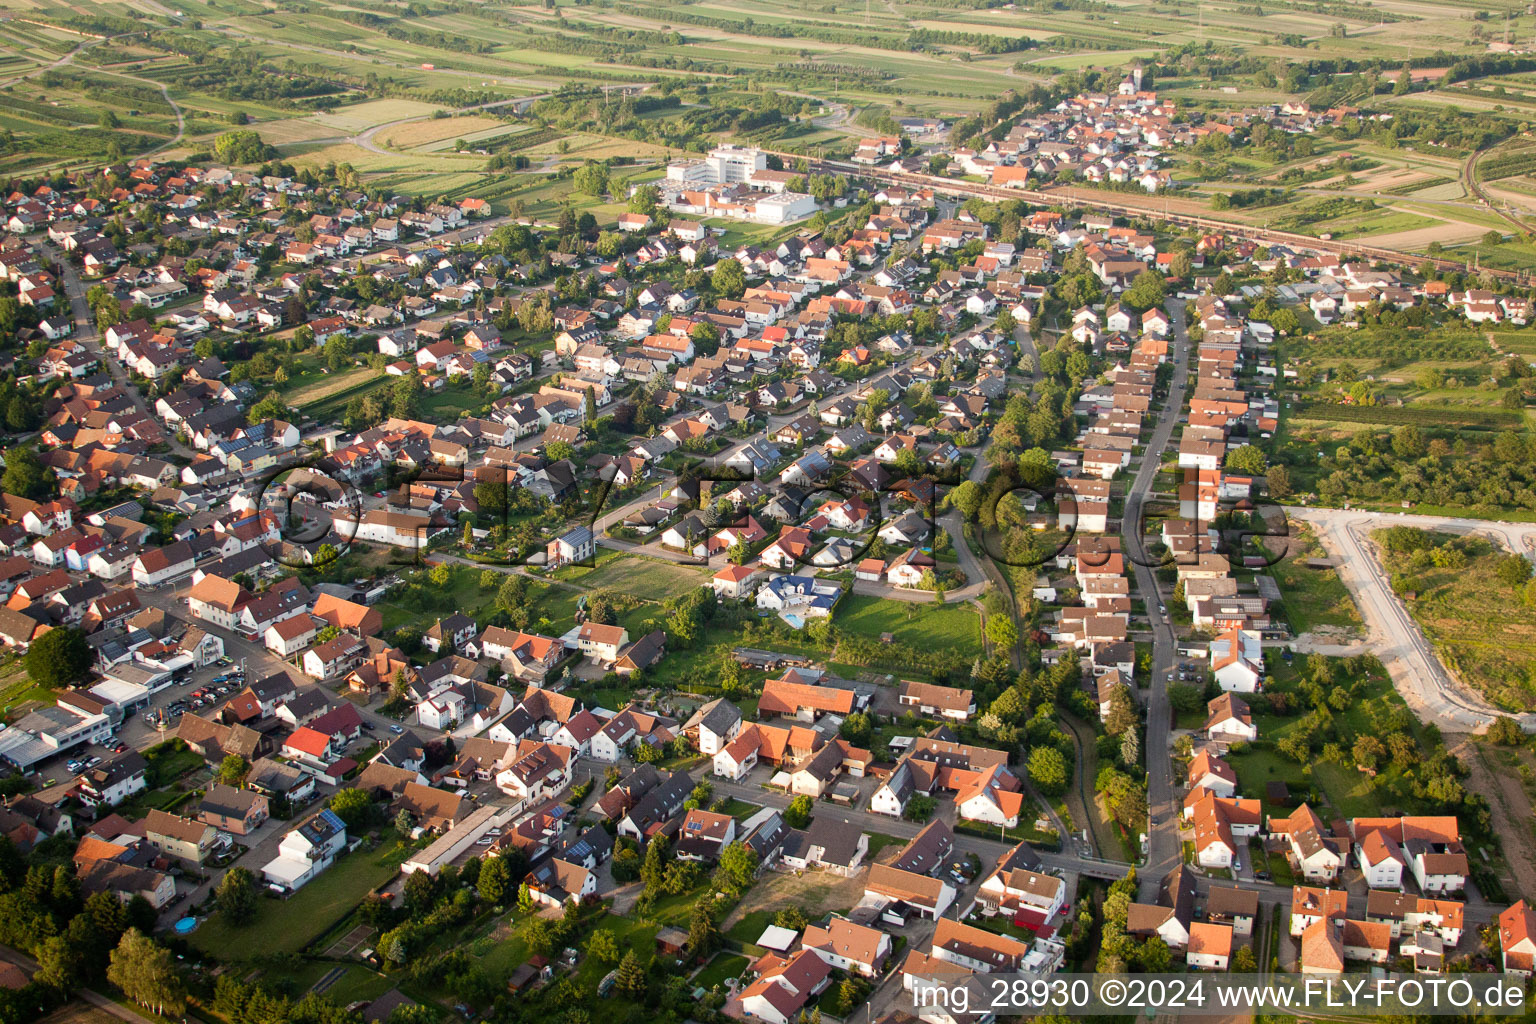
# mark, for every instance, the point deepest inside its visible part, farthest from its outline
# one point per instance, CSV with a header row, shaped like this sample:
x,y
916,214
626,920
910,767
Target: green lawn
x,y
879,841
750,928
951,626
355,984
450,403
1313,597
647,578
1348,792
740,809
288,926
723,967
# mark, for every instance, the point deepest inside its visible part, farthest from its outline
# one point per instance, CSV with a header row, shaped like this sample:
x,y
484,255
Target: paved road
x,y
1420,676
87,334
1163,849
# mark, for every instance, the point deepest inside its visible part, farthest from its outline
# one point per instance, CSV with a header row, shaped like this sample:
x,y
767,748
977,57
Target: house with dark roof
x,y
240,811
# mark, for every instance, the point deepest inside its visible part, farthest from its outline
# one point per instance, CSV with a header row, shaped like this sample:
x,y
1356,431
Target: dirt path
x,y
1081,801
1511,807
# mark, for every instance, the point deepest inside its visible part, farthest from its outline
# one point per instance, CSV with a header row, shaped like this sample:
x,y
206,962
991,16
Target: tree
x,y
644,200
1247,459
525,901
603,947
58,964
147,974
236,896
1002,632
338,353
630,980
495,881
1048,770
737,868
231,770
798,813
352,806
59,657
1505,732
1130,748
491,496
26,475
968,498
1185,699
1156,957
591,178
403,396
1243,961
653,869
703,934
1146,291
1279,482
1513,570
728,280
1408,442
1122,712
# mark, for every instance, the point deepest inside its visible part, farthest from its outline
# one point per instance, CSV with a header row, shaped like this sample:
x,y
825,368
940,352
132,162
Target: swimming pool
x,y
185,926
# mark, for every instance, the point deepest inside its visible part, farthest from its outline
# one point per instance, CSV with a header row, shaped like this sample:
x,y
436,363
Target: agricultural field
x,y
370,91
1379,376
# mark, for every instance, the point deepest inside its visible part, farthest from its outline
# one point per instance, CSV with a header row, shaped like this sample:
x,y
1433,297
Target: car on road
x,y
1262,876
396,730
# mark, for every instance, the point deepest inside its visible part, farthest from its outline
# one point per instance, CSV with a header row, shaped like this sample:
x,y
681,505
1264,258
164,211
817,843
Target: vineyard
x,y
1507,165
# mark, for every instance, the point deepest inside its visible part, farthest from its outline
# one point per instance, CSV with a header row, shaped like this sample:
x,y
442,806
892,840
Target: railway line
x,y
950,186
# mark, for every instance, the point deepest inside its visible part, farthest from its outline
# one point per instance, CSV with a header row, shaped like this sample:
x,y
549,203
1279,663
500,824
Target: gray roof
x,y
719,716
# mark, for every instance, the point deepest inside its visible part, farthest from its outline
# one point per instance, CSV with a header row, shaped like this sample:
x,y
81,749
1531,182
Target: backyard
x,y
291,925
954,626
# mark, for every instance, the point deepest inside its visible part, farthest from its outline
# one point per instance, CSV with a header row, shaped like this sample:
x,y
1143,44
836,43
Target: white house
x,y
306,851
714,726
1237,660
